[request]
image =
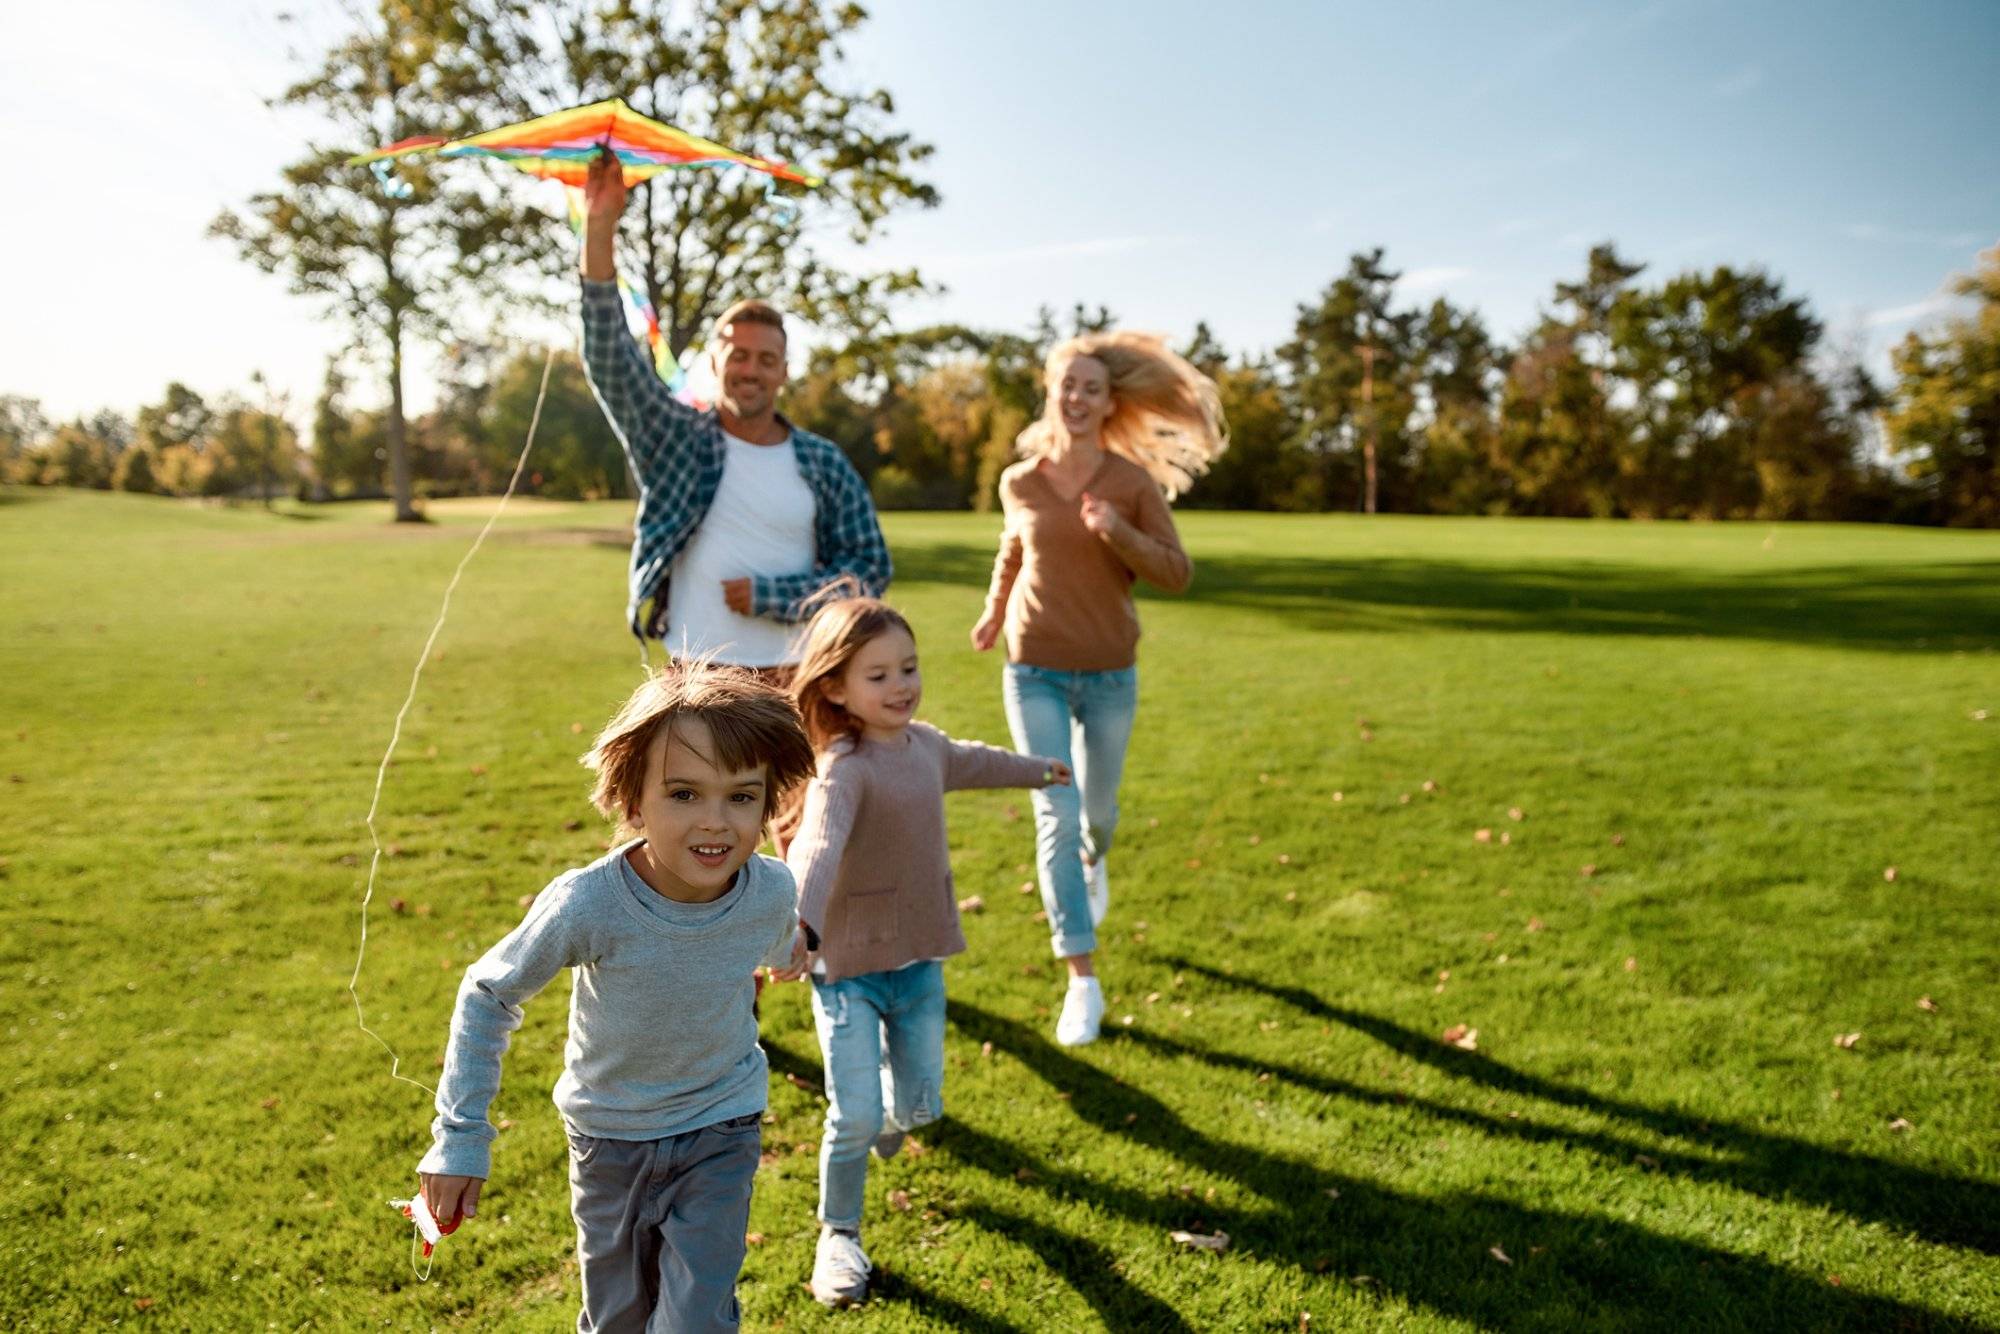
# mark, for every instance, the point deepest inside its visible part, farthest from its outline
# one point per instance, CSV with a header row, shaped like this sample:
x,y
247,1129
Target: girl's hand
x,y
801,960
604,191
1099,517
1059,774
987,632
452,1200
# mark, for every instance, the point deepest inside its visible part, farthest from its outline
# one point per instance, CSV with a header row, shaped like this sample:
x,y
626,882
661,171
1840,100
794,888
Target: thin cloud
x,y
1868,231
1896,317
1746,80
1087,248
1431,279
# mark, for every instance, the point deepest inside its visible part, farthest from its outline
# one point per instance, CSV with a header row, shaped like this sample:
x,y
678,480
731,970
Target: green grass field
x,y
1718,739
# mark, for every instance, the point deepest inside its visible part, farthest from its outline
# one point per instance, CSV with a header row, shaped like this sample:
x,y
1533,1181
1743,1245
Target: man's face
x,y
749,367
700,823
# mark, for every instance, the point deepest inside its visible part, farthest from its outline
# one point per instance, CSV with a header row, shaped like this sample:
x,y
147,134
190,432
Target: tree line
x,y
1707,395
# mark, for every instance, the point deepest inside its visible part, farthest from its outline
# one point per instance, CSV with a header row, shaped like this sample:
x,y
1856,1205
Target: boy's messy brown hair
x,y
752,723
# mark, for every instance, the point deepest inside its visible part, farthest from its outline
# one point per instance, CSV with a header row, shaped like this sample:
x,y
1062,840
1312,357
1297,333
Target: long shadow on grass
x,y
1915,608
1567,1269
1933,607
1953,1211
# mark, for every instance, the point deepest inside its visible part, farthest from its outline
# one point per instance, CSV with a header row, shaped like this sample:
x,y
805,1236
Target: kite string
x,y
396,732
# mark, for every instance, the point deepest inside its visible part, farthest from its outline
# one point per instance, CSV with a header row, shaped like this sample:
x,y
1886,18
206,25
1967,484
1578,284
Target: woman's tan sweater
x,y
1066,591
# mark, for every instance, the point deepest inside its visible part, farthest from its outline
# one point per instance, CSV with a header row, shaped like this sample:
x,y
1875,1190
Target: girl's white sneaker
x,y
840,1269
1082,1012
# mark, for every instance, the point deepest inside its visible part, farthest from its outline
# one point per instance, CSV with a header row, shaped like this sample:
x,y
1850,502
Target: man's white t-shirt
x,y
761,522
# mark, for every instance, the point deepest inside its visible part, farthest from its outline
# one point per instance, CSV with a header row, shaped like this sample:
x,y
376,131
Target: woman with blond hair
x,y
1127,426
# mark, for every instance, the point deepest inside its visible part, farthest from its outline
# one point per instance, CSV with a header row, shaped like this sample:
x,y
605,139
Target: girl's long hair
x,y
1166,416
837,632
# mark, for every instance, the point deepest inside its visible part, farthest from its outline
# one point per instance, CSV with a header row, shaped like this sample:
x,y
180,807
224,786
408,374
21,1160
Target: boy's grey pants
x,y
659,1227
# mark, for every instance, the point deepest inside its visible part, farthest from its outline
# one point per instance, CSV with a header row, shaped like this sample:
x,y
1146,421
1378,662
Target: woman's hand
x,y
987,632
1099,517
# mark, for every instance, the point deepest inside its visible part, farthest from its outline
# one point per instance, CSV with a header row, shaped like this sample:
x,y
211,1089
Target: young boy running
x,y
663,1084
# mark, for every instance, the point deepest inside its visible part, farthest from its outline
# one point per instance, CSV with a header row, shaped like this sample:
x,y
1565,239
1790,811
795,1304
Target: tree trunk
x,y
1368,427
399,454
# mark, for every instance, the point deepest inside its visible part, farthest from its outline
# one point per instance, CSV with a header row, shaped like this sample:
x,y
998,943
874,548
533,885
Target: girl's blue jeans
x,y
881,1043
1085,720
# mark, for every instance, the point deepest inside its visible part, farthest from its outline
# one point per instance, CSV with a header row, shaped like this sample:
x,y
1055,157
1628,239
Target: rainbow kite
x,y
562,145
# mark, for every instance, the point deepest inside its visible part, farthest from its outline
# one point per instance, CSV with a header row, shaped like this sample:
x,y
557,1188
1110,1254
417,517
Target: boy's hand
x,y
452,1200
1059,774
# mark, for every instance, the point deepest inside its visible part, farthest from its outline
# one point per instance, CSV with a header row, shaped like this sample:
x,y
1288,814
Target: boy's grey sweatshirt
x,y
662,1038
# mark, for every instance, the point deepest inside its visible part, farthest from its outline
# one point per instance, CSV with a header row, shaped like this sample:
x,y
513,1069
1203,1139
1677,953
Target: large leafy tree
x,y
390,263
1946,422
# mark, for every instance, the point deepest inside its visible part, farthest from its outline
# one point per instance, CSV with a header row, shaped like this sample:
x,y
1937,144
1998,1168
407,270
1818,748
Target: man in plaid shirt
x,y
744,520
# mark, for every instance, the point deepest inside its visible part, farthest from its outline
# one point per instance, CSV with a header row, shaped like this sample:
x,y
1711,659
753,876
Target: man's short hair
x,y
749,312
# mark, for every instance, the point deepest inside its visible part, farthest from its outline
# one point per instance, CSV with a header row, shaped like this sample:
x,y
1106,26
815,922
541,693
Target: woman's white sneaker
x,y
1082,1012
840,1269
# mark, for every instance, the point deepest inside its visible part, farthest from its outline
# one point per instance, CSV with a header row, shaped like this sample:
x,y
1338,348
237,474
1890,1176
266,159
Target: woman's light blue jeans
x,y
1085,720
881,1042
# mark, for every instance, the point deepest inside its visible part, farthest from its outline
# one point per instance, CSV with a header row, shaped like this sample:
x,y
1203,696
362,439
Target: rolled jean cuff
x,y
1079,942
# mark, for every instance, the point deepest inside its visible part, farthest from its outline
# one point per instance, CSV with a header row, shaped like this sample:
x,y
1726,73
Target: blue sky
x,y
1173,161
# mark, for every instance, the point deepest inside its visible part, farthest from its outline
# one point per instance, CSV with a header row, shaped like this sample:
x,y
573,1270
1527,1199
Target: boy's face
x,y
700,823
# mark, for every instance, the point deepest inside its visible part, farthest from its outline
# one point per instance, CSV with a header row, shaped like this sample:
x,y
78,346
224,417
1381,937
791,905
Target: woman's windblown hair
x,y
1166,416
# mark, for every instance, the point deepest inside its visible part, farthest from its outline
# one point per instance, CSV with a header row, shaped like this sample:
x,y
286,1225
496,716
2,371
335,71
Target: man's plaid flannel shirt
x,y
677,453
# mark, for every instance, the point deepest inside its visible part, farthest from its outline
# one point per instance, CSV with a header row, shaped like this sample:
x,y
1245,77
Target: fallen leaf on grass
x,y
1535,924
1482,836
1461,1036
1587,870
525,900
572,825
1618,840
1631,964
479,771
1201,1241
1333,1192
1889,874
914,1148
1499,1255
753,1239
986,1285
1846,1041
1899,1125
802,1084
1645,1160
1516,813
1834,1279
1340,796
576,729
985,1049
143,1303
398,907
270,1104
1025,1174
971,903
1926,1004
1041,915
1430,785
1255,839
899,1200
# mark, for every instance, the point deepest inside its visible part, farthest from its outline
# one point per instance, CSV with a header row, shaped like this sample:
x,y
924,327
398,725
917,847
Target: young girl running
x,y
875,886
